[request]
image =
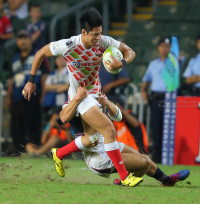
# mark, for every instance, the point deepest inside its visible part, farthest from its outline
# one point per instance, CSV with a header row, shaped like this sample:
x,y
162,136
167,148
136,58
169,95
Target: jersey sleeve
x,y
107,42
60,47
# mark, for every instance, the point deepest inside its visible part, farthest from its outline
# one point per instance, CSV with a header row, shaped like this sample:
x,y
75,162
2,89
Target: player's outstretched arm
x,y
68,111
30,87
127,52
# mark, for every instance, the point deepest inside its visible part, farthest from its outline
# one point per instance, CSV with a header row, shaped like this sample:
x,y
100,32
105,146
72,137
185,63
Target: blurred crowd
x,y
16,15
34,125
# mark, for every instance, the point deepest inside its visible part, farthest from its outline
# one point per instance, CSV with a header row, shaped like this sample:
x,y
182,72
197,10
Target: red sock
x,y
67,149
116,158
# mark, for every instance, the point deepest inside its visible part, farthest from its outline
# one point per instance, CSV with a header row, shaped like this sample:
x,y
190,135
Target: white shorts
x,y
101,164
87,103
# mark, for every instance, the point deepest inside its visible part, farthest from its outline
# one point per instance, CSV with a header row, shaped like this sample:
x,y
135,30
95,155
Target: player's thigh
x,y
99,121
128,149
88,130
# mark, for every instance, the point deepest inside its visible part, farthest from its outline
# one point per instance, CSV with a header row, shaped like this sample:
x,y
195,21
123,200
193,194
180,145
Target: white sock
x,y
79,144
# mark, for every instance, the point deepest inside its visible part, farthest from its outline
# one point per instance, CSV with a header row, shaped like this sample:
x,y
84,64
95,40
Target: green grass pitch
x,y
34,181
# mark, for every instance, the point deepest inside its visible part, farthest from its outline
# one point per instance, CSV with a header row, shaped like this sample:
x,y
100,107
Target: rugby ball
x,y
116,53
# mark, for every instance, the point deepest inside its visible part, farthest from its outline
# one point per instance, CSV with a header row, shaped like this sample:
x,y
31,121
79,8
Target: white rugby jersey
x,y
83,64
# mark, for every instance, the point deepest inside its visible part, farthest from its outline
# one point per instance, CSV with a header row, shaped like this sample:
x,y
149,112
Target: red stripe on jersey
x,y
90,78
88,68
81,47
101,49
86,82
78,51
97,68
93,83
66,60
94,73
94,49
95,89
78,78
80,74
93,92
70,68
95,58
89,53
85,57
70,58
82,84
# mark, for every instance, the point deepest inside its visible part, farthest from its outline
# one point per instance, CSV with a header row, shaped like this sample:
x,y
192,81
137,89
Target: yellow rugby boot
x,y
131,181
58,163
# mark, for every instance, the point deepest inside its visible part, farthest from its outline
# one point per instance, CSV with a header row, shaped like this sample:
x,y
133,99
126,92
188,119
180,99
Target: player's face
x,y
164,49
24,43
93,37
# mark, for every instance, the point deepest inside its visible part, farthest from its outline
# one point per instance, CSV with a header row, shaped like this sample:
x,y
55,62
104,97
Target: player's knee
x,y
147,161
94,144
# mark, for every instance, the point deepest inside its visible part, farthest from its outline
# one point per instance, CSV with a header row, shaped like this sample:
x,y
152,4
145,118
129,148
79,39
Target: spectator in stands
x,y
54,135
25,115
6,31
6,8
110,82
56,85
129,131
192,72
36,27
19,14
19,8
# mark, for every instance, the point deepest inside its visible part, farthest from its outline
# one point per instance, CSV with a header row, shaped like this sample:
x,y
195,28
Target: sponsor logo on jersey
x,y
69,43
76,64
85,64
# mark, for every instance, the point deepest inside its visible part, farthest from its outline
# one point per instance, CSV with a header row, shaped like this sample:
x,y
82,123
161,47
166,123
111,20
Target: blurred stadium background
x,y
138,23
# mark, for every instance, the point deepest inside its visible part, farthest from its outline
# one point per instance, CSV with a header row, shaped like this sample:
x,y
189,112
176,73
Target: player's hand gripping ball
x,y
116,54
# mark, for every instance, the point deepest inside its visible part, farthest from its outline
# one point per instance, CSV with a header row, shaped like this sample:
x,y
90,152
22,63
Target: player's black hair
x,y
34,5
90,19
